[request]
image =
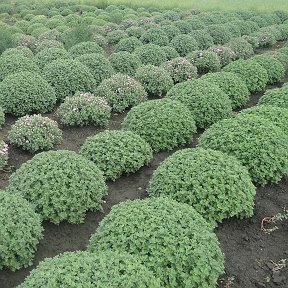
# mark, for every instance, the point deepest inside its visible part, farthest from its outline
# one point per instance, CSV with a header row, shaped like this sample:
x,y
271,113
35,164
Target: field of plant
x,y
143,147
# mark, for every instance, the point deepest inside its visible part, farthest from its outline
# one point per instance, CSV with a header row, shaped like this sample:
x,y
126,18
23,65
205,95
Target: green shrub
x,y
85,48
115,36
275,97
234,29
219,33
256,142
155,36
265,39
34,133
121,91
254,75
180,69
207,102
171,239
135,31
232,85
171,31
16,63
124,62
48,44
100,40
213,183
20,229
62,185
253,40
184,44
128,44
163,123
25,92
110,269
84,109
68,76
273,67
203,38
242,48
20,50
184,26
2,117
225,54
156,80
3,154
98,65
150,54
280,56
117,152
170,52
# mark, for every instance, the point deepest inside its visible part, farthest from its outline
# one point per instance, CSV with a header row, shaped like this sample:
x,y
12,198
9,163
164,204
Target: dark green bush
x,y
213,183
20,229
85,48
184,44
225,54
3,154
164,124
128,44
184,26
170,52
155,36
150,54
232,85
115,36
219,33
20,50
2,117
61,184
203,38
135,31
256,142
242,48
265,39
275,97
117,152
171,31
280,56
171,239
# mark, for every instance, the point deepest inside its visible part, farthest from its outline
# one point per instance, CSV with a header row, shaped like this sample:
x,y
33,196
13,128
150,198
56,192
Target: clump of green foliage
x,y
225,54
203,38
48,43
242,48
170,52
128,44
2,117
275,97
150,54
219,33
115,36
20,50
155,36
85,48
184,44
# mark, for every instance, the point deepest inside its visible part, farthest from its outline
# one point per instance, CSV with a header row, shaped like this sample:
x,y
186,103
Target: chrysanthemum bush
x,y
150,54
117,152
170,30
47,43
155,36
170,52
219,33
84,109
110,269
35,133
241,47
115,36
171,239
184,44
207,102
62,185
225,54
212,182
85,48
19,50
254,75
256,142
280,56
3,154
26,92
128,44
275,97
121,91
203,38
20,230
232,85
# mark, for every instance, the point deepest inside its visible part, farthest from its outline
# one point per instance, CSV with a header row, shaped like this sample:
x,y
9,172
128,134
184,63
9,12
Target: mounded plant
x,y
155,36
184,44
128,44
48,43
219,33
62,185
216,185
117,152
85,48
113,37
163,123
170,30
277,54
150,54
20,229
26,92
242,48
203,38
207,102
275,97
19,50
256,142
170,52
3,154
171,239
225,54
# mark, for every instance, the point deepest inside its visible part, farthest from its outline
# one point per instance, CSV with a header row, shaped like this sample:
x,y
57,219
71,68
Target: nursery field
x,y
143,147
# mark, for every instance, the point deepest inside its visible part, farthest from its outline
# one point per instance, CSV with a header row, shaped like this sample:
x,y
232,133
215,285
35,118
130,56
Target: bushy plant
x,y
62,185
274,68
225,54
3,154
184,44
150,54
128,44
121,91
170,52
85,48
219,33
171,239
184,26
155,36
124,62
232,85
203,38
265,39
256,142
20,229
34,133
20,50
254,75
156,80
68,76
207,102
2,117
47,43
26,92
170,30
84,109
242,48
164,123
253,40
275,97
216,185
117,152
280,56
115,36
110,268
135,31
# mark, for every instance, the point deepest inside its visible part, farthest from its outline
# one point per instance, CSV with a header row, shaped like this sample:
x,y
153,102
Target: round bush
x,y
68,76
20,50
35,133
16,63
47,43
171,239
184,44
156,80
20,229
225,54
155,36
135,31
256,142
25,92
115,36
128,44
242,48
110,269
150,54
203,38
273,67
254,75
164,123
219,33
121,91
170,52
3,154
207,102
280,56
232,85
170,30
124,62
62,185
184,26
212,182
117,152
275,97
85,48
